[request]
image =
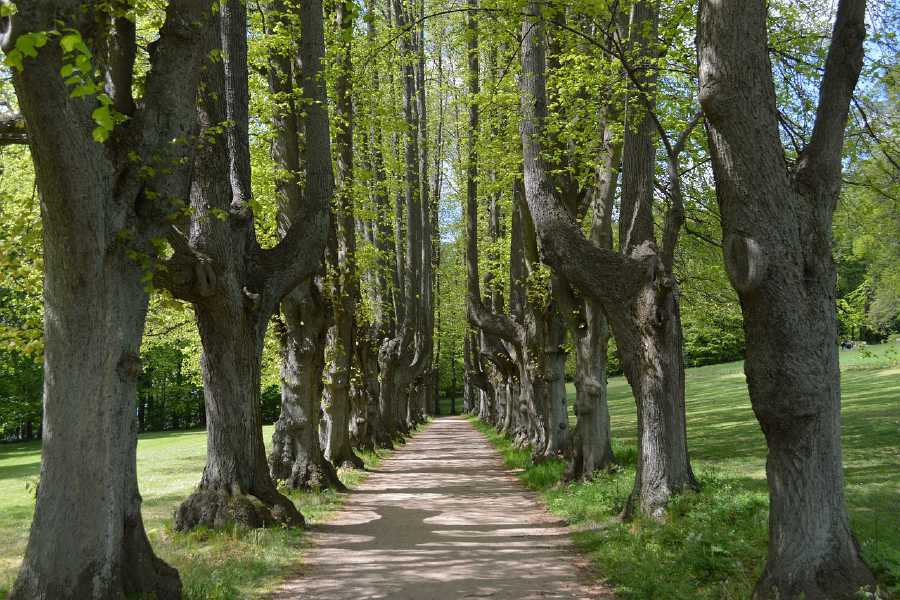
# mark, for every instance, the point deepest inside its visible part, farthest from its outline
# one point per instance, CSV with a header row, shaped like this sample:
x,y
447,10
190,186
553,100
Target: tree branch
x,y
13,130
819,166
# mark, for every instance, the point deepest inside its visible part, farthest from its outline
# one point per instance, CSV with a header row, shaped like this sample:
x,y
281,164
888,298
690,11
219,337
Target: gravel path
x,y
442,518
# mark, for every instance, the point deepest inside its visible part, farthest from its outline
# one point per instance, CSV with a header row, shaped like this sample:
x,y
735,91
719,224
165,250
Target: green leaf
x,y
67,70
83,64
14,59
101,134
68,41
103,118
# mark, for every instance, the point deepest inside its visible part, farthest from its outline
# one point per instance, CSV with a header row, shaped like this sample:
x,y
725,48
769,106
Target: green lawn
x,y
712,544
233,563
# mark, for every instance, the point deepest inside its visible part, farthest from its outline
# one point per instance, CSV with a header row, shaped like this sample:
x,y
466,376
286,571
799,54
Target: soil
x,y
443,518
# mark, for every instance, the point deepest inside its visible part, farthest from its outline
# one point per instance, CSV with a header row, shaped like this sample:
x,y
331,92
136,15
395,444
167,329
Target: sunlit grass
x,y
713,543
234,562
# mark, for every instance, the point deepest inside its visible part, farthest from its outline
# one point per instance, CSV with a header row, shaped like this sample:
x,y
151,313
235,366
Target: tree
x,y
405,357
776,223
634,286
340,258
234,284
102,204
297,459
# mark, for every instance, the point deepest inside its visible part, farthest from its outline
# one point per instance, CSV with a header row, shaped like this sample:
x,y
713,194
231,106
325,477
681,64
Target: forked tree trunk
x,y
776,225
87,538
235,285
635,288
296,459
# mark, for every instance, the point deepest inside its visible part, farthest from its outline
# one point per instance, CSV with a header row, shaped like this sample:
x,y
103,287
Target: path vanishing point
x,y
442,518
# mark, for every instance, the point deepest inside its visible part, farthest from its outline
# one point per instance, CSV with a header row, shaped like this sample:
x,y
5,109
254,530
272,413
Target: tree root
x,y
214,508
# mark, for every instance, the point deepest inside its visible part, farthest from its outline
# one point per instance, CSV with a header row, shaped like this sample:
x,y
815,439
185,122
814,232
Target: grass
x,y
234,562
713,543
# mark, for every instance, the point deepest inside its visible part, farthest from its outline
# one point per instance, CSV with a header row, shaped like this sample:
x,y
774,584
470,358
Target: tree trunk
x,y
776,223
405,358
590,448
635,288
88,470
235,485
452,378
341,260
95,301
235,285
297,458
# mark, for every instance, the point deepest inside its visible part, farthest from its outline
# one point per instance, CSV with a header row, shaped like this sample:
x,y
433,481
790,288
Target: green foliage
x,y
21,258
168,397
713,338
21,391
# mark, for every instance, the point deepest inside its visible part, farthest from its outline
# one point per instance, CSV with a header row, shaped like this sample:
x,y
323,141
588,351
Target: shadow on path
x,y
442,518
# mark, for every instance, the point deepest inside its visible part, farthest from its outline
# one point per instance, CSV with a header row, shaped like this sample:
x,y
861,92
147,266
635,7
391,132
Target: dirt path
x,y
442,518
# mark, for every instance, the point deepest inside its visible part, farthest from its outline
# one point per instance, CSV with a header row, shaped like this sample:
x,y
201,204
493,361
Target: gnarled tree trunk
x,y
235,285
99,209
635,288
297,459
776,223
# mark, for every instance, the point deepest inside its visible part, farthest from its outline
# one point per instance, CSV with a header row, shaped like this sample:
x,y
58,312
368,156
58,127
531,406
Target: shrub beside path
x,y
443,518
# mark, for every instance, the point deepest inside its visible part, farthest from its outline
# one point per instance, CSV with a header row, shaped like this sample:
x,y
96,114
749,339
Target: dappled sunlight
x,y
441,519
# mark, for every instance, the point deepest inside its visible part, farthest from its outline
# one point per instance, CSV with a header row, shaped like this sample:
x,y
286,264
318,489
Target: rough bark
x,y
297,459
235,285
340,257
776,223
97,207
635,289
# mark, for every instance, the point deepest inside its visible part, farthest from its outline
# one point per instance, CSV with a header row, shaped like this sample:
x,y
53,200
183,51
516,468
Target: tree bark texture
x,y
297,459
97,208
634,288
235,285
776,223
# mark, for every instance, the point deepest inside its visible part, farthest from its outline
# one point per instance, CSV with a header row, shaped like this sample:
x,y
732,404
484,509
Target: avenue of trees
x,y
327,214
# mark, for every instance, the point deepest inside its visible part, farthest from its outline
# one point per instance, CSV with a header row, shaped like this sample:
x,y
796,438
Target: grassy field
x,y
713,543
231,563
